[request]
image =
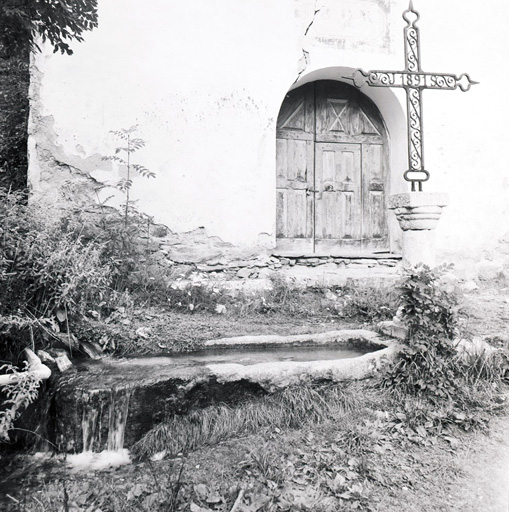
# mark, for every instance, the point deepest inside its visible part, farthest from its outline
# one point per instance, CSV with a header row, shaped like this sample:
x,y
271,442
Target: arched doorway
x,y
332,171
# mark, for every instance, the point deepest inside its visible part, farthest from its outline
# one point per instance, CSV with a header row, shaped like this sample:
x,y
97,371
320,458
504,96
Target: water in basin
x,y
256,355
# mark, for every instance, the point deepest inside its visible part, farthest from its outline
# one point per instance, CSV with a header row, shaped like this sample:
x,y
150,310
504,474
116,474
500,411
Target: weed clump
x,y
428,362
445,386
49,276
19,394
366,303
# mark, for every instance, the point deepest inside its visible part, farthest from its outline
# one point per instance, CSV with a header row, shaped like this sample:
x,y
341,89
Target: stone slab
x,y
417,199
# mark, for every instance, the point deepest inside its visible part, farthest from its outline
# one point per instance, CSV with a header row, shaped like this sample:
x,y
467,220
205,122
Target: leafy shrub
x,y
125,245
14,83
444,387
130,145
428,369
428,363
18,395
428,310
136,263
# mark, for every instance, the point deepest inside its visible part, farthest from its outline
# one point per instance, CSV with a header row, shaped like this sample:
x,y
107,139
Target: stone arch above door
x,y
332,171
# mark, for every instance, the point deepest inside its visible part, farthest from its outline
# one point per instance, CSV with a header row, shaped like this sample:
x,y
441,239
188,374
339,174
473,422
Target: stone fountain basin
x,y
303,359
228,370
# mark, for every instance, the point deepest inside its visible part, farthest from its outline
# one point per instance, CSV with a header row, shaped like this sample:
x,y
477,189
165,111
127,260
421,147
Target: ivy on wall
x,y
14,83
24,24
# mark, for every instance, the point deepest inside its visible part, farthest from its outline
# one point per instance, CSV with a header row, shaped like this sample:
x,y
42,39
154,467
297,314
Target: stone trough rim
x,y
274,375
336,336
281,374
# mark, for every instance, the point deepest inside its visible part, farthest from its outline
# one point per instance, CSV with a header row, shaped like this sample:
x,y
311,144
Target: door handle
x,y
317,193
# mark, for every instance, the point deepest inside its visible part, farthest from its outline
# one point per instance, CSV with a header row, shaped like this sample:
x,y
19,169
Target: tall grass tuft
x,y
366,303
287,409
485,365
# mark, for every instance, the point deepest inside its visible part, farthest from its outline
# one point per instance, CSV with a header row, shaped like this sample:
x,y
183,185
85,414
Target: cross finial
x,y
410,15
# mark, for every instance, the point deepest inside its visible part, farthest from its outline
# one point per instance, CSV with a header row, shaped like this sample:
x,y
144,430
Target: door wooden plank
x,y
281,162
296,222
294,182
294,165
297,164
281,213
374,184
349,215
338,191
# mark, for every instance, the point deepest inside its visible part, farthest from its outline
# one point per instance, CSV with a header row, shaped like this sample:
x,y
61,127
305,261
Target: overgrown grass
x,y
288,409
49,277
485,364
361,303
197,294
366,303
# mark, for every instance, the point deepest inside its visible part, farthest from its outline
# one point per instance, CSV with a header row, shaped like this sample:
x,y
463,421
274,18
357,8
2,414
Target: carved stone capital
x,y
417,211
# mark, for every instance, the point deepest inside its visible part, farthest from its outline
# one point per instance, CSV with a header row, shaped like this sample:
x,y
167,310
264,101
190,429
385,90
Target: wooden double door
x,y
332,162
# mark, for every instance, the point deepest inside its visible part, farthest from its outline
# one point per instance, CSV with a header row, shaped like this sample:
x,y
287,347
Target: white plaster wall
x,y
204,79
195,80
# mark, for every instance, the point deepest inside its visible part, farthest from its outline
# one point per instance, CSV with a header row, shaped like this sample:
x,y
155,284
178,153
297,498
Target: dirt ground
x,y
485,485
487,310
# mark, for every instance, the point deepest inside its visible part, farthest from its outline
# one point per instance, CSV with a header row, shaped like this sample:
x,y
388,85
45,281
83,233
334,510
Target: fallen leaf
x,y
197,508
338,481
202,491
150,501
452,441
139,489
220,309
158,456
61,315
214,498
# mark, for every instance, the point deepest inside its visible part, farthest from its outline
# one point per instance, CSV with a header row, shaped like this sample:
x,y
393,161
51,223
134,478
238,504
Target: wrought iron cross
x,y
413,80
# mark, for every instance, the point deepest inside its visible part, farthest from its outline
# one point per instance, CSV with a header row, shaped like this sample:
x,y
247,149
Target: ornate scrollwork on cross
x,y
414,81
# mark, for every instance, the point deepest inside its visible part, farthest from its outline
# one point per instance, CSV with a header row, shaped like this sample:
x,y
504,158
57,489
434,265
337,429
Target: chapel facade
x,y
256,133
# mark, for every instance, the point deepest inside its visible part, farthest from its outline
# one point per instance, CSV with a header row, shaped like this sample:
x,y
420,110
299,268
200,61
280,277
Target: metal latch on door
x,y
310,191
